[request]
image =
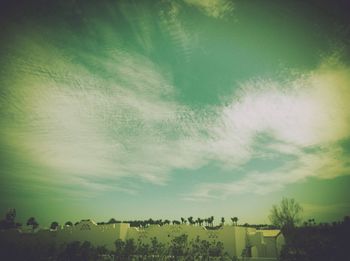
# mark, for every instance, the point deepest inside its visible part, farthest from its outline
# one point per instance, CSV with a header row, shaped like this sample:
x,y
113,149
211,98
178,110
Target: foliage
x,y
321,242
25,249
234,220
125,250
180,248
113,221
286,215
54,225
69,224
32,222
78,251
9,221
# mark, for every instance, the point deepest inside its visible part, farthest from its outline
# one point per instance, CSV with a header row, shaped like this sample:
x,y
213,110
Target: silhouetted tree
x,y
119,249
125,250
112,221
54,225
157,249
190,220
216,249
200,221
130,249
68,224
9,220
142,249
32,222
179,246
317,243
11,215
287,215
211,221
182,220
222,220
234,221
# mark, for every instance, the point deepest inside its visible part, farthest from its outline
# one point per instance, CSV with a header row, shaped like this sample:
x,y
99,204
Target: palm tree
x,y
234,220
201,221
211,220
190,221
222,220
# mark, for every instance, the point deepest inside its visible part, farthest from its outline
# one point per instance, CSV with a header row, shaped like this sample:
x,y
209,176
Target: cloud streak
x,y
213,8
125,121
307,118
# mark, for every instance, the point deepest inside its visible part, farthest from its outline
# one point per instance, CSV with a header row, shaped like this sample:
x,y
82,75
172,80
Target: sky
x,y
169,109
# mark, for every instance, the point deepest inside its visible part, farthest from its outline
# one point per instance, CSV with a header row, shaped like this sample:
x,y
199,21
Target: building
x,y
237,241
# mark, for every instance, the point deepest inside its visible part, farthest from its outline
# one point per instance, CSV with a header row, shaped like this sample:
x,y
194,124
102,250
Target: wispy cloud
x,y
306,117
177,29
213,8
123,121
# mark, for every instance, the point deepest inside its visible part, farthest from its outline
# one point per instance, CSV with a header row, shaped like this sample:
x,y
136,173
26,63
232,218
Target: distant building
x,y
237,241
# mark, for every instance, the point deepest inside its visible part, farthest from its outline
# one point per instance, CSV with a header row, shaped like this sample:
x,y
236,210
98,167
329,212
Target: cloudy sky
x,y
169,109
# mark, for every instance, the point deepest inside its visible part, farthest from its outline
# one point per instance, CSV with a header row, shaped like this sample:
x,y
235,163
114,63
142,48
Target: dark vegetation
x,y
206,222
33,249
312,242
180,248
9,222
306,241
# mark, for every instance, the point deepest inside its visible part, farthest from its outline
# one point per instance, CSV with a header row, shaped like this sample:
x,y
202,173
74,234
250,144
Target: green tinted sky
x,y
164,109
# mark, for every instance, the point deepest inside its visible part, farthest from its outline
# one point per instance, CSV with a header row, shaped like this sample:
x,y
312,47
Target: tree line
x,y
9,222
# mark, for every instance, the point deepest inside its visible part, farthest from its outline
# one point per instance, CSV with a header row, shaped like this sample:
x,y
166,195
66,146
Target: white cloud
x,y
177,29
308,113
326,164
126,123
213,8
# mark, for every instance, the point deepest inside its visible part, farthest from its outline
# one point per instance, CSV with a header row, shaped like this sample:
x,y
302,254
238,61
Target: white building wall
x,y
234,238
102,235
